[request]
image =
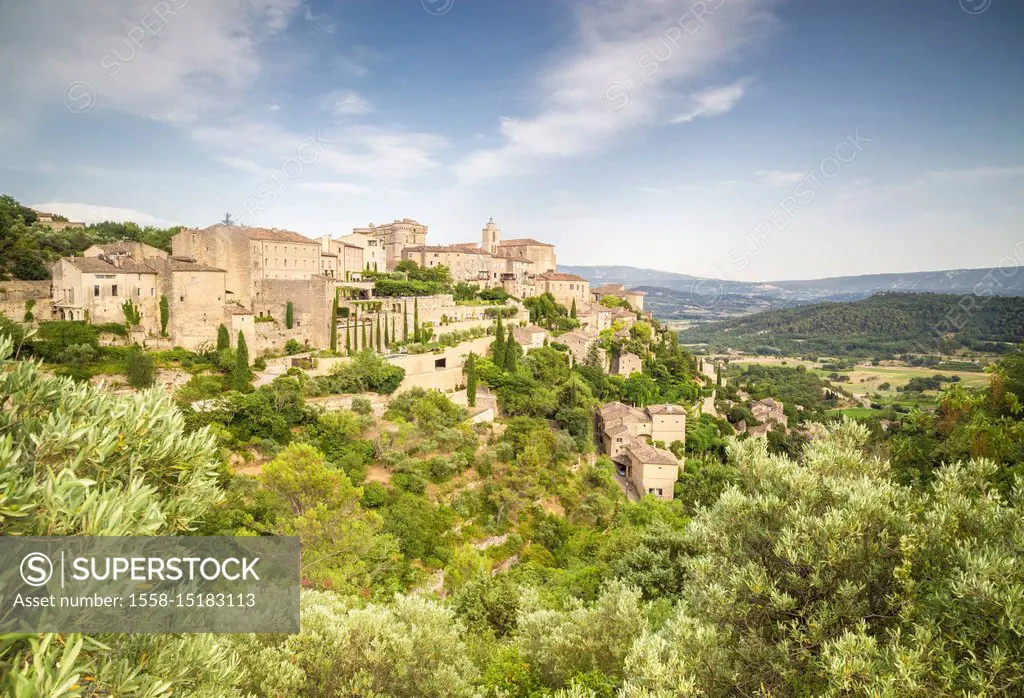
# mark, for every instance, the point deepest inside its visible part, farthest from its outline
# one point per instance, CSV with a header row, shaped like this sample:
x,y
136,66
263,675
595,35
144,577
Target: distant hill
x,y
1008,282
884,323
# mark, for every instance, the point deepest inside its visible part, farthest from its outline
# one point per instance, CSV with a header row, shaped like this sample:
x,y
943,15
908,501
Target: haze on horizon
x,y
750,140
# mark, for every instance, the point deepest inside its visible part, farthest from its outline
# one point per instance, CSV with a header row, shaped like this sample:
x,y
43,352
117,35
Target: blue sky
x,y
743,139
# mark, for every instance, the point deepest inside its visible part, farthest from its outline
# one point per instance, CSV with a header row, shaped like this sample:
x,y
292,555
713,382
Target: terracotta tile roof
x,y
647,454
522,242
616,430
616,290
95,265
236,310
265,234
560,276
666,409
179,264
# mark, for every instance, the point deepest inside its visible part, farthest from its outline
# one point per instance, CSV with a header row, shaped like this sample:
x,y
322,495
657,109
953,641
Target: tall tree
x,y
470,370
363,344
380,343
498,345
387,337
572,311
334,323
513,352
289,315
405,321
348,337
164,315
227,220
240,374
223,338
415,320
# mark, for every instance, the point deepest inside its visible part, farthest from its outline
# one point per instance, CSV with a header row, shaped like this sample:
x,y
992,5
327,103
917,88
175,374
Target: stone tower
x,y
491,237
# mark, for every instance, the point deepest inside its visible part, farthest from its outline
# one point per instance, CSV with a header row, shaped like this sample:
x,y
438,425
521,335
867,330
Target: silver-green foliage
x,y
76,460
825,578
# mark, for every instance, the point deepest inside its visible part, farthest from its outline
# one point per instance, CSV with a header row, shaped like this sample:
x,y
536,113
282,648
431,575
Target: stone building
x,y
394,237
250,256
631,437
55,221
634,298
617,422
565,288
530,337
627,364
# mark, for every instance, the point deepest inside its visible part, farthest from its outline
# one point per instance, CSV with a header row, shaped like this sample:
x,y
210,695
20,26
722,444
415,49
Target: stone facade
x,y
627,364
566,288
627,436
395,237
634,298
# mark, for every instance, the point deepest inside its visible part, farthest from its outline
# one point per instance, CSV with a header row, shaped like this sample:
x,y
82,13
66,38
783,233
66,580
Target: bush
x,y
374,495
140,368
362,405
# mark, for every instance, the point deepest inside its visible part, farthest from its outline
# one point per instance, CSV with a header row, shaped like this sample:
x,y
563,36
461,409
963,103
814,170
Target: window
x,y
181,299
113,290
138,292
96,291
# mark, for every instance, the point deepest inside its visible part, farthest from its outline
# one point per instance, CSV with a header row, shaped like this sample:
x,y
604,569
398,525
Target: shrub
x,y
140,368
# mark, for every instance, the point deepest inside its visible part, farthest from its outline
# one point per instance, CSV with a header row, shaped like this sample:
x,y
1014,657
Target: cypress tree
x,y
348,337
387,343
240,373
363,342
512,351
471,379
165,315
289,315
394,334
223,338
334,323
380,344
572,312
416,319
405,321
498,345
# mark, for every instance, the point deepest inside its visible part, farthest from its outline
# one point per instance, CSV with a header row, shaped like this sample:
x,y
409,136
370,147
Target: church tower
x,y
491,237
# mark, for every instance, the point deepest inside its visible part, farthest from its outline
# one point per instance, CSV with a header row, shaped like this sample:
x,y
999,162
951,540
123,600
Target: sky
x,y
740,139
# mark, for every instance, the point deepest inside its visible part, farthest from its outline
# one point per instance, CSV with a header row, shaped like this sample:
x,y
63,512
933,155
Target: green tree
x,y
405,321
334,323
164,315
470,370
380,341
415,320
140,368
572,311
223,338
498,345
387,337
348,337
513,352
289,315
240,373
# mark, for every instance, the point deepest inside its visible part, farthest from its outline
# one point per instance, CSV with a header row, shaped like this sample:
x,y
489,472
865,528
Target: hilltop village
x,y
426,309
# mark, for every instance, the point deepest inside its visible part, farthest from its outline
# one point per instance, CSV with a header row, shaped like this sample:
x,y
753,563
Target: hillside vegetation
x,y
885,323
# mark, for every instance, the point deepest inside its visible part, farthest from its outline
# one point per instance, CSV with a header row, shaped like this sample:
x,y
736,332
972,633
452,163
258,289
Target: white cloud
x,y
975,175
343,103
90,213
712,102
780,178
333,187
631,60
365,152
171,61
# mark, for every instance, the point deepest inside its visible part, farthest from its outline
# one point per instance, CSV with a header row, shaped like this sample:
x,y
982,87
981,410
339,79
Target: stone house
x,y
629,436
565,288
577,342
652,471
393,238
96,288
634,298
530,337
627,364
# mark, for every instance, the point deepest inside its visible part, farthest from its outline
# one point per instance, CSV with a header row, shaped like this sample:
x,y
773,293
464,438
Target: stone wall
x,y
14,294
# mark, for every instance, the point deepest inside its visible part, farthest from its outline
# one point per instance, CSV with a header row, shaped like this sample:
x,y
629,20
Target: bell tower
x,y
491,237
